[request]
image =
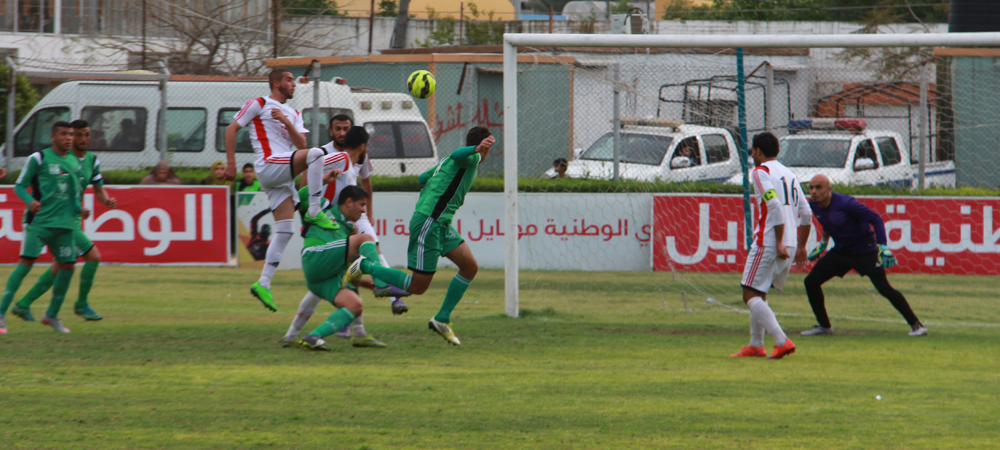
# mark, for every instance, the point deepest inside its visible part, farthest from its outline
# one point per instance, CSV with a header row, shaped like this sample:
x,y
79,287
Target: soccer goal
x,y
625,154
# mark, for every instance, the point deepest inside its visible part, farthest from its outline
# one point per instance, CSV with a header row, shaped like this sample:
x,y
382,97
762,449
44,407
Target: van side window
x,y
185,129
866,150
35,135
688,148
716,148
324,121
399,140
890,151
225,117
120,129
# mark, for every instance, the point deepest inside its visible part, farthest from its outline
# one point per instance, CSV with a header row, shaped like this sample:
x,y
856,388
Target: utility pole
x,y
276,6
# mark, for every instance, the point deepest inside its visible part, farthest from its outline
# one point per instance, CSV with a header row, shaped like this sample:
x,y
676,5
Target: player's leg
x,y
866,265
312,161
31,247
350,307
750,268
461,255
22,308
91,261
384,277
830,265
60,242
306,310
282,204
762,269
423,252
383,289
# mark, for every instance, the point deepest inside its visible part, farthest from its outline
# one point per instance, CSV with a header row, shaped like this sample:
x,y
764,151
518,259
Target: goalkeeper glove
x,y
818,251
885,257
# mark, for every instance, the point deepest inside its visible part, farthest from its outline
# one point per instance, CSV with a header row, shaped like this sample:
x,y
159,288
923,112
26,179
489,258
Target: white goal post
x,y
513,41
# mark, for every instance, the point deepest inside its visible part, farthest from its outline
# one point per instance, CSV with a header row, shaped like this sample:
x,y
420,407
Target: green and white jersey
x,y
319,236
444,192
90,167
55,181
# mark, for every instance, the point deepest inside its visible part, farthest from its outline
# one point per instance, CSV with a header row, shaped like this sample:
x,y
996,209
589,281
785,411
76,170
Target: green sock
x,y
41,286
335,322
13,284
456,289
86,281
370,252
59,289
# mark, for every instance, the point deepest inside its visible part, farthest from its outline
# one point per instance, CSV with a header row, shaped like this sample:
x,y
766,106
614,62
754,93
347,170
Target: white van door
x,y
897,172
718,159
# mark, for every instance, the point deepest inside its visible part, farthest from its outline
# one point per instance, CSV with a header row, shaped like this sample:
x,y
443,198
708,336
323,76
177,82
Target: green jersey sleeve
x,y
24,181
95,177
465,156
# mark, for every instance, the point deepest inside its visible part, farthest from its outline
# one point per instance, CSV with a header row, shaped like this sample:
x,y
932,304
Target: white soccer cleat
x,y
817,330
444,330
918,330
56,324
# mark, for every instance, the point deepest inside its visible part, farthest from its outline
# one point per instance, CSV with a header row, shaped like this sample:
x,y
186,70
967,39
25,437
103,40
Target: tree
x,y
220,37
442,30
483,32
620,7
27,98
386,8
808,10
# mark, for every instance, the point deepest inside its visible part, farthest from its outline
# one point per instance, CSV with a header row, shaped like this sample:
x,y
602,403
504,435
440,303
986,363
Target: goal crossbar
x,y
511,41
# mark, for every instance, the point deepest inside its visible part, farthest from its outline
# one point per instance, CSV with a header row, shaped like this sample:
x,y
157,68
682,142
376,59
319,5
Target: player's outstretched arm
x,y
366,184
230,135
24,181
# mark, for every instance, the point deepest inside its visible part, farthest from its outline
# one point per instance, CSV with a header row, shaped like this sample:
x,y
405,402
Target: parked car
x,y
659,150
847,152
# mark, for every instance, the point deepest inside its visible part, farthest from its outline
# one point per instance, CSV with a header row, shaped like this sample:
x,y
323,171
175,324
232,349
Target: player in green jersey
x,y
334,258
431,233
54,177
91,168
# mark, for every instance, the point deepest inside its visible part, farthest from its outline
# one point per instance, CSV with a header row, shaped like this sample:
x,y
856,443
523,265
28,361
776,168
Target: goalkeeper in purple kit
x,y
860,244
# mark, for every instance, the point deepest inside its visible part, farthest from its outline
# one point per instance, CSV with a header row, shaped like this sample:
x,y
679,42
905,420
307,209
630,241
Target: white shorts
x,y
365,227
764,270
276,178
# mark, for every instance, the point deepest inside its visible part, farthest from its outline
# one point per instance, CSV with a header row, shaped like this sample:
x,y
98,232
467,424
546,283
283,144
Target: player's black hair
x,y
60,124
355,137
342,118
351,192
561,162
275,76
476,135
247,166
767,143
79,123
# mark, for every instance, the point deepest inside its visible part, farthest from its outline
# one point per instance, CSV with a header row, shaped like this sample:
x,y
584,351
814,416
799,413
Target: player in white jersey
x,y
351,142
277,132
780,204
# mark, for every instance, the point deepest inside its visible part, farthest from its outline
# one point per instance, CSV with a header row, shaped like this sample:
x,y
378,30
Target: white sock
x,y
315,161
282,234
764,315
385,263
306,310
756,332
358,327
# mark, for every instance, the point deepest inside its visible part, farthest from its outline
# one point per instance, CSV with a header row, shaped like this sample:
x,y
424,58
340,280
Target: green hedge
x,y
570,185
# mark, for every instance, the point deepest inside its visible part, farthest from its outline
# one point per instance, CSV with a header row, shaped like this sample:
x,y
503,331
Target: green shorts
x,y
324,267
82,242
429,240
59,241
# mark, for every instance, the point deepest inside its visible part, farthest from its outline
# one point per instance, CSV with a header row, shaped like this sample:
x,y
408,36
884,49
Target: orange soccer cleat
x,y
780,352
749,351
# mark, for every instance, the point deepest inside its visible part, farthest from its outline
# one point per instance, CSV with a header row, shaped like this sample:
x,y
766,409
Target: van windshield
x,y
635,148
394,140
814,152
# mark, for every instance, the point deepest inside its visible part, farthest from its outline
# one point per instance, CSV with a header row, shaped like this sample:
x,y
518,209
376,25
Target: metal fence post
x,y
922,130
11,109
316,68
617,122
162,122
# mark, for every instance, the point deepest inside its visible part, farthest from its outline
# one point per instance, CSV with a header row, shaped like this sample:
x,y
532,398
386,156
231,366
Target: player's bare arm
x,y
231,130
84,213
801,255
329,178
298,140
35,206
102,196
779,233
366,184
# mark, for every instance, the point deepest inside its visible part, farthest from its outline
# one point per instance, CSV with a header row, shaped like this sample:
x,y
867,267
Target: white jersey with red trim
x,y
351,171
269,136
772,175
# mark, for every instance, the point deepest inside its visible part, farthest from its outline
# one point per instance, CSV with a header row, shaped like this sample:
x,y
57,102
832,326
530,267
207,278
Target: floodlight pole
x,y
510,177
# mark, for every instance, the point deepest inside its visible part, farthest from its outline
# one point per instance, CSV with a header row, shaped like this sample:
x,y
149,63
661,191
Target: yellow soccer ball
x,y
421,84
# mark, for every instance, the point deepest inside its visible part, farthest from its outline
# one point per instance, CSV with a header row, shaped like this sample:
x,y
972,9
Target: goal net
x,y
627,154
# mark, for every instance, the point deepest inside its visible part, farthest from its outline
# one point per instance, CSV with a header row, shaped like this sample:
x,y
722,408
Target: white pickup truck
x,y
659,150
848,153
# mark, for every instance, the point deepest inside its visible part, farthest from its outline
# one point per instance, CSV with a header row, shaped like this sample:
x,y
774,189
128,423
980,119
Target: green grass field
x,y
185,358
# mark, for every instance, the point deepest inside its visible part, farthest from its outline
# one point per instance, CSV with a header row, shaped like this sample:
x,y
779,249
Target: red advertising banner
x,y
934,235
152,225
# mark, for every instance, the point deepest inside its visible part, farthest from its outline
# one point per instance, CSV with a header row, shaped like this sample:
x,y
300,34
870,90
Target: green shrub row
x,y
195,176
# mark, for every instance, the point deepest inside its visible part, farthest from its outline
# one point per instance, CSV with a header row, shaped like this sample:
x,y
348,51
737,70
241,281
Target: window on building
x,y
117,129
36,133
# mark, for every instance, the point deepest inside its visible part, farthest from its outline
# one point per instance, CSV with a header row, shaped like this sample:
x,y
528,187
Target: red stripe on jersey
x,y
762,214
265,145
755,265
335,158
330,191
